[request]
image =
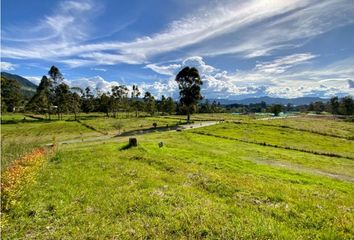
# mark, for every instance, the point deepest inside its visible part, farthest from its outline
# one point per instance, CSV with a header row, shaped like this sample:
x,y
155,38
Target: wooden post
x,y
133,142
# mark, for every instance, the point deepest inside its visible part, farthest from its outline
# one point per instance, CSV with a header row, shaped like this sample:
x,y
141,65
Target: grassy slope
x,y
19,138
322,125
284,137
195,186
127,124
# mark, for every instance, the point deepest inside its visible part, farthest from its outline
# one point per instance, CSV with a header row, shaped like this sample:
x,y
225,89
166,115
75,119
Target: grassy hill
x,y
27,87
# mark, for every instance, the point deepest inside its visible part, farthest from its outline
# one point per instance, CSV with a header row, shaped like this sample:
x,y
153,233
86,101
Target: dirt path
x,y
140,132
274,118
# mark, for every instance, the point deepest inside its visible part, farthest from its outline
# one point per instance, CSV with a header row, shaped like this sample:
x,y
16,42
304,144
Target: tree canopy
x,y
189,83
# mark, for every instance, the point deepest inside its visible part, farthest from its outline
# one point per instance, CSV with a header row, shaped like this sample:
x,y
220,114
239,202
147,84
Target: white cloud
x,y
96,83
165,70
280,65
250,29
7,66
34,79
277,78
99,69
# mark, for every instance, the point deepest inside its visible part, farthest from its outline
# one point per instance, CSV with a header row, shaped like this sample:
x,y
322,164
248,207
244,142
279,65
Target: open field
x,y
283,137
217,182
324,125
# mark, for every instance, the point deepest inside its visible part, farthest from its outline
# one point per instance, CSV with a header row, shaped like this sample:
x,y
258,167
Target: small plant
x,y
118,126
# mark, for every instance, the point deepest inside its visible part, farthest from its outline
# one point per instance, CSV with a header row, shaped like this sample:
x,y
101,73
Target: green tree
x,y
59,89
55,75
118,98
41,101
150,103
104,103
169,106
135,99
318,107
88,101
189,83
347,106
275,109
161,104
61,99
11,96
74,103
334,105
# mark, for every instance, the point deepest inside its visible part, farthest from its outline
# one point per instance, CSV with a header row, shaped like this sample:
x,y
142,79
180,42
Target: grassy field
x,y
195,186
19,136
284,137
324,125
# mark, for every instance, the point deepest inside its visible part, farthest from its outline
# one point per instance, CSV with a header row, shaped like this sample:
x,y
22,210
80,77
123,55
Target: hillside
x,y
27,87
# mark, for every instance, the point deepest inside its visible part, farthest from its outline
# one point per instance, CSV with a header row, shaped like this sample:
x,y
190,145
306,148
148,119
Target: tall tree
x,y
135,99
347,105
334,105
88,101
10,94
150,104
61,99
104,103
55,75
59,90
41,101
189,83
74,103
161,105
118,98
169,105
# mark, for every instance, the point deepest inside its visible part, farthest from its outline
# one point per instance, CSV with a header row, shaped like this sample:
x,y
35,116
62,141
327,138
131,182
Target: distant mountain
x,y
270,100
28,88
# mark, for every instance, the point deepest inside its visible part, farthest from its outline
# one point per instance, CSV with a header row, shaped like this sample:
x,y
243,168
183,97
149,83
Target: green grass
x,y
194,187
322,125
284,137
214,117
19,138
109,125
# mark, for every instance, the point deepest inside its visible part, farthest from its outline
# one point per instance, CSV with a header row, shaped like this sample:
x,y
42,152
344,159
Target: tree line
x,y
54,97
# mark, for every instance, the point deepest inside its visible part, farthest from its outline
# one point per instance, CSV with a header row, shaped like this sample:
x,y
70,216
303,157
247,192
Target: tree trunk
x,y
188,116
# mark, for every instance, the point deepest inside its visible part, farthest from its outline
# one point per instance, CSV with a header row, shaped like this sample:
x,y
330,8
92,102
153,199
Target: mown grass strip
x,y
327,154
296,129
91,127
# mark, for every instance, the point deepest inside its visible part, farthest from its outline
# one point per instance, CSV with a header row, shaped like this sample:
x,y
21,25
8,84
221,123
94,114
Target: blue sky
x,y
277,48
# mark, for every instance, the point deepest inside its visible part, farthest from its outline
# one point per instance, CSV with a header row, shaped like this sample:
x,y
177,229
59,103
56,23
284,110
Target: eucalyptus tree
x,y
189,83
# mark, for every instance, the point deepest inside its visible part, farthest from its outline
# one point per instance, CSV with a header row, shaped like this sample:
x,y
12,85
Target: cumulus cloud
x,y
96,83
7,66
277,78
